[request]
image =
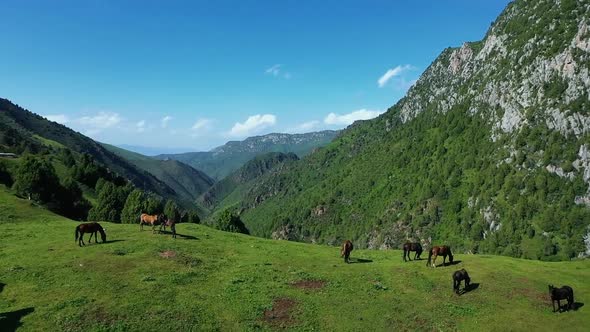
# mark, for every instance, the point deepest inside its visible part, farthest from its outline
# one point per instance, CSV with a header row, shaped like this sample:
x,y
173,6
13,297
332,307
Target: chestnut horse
x,y
92,228
146,219
345,250
439,251
563,293
412,246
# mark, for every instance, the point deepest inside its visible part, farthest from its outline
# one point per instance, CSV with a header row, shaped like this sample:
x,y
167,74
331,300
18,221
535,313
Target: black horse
x,y
412,246
563,293
92,228
458,276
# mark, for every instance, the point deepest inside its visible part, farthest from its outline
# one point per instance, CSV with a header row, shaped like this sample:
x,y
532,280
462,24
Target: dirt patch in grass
x,y
309,284
168,254
539,299
281,314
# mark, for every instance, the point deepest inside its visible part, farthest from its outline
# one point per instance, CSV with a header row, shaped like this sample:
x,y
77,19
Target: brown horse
x,y
171,224
439,251
563,293
152,220
345,250
92,228
412,246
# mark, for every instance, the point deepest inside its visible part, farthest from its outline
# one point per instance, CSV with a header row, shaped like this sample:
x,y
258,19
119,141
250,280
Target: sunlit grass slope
x,y
210,280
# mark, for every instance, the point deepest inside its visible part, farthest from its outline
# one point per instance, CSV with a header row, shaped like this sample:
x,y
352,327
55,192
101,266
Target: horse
x,y
415,246
153,220
439,251
92,228
345,250
171,224
563,293
457,277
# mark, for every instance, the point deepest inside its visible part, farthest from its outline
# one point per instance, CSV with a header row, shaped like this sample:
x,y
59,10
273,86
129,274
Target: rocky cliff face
x,y
489,147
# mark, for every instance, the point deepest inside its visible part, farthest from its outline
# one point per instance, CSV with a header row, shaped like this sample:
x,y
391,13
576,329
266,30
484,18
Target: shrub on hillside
x,y
230,222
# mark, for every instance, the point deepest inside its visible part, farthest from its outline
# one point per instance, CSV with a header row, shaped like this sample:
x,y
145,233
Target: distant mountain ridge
x,y
225,159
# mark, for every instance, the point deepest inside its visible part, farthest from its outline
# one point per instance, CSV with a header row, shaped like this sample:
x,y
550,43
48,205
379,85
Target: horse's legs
x,y
90,239
444,260
434,261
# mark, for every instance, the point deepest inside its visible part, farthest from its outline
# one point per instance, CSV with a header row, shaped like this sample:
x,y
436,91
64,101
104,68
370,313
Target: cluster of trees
x,y
138,202
229,221
114,198
37,180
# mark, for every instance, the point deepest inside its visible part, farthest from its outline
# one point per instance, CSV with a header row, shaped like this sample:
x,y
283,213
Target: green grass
x,y
223,281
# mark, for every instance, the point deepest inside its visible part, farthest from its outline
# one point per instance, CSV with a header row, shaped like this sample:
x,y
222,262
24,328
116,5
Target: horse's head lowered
x,y
103,234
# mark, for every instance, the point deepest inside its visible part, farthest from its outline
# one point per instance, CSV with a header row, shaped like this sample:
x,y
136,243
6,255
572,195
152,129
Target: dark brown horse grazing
x,y
146,219
439,251
412,246
345,250
92,228
171,224
457,277
563,293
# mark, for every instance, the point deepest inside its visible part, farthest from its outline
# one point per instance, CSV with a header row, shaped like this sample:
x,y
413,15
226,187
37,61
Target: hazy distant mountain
x,y
150,150
227,158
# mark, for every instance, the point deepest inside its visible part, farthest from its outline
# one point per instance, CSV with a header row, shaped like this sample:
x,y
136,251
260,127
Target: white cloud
x,y
201,124
347,119
307,126
392,73
102,120
276,71
140,126
165,121
59,118
252,125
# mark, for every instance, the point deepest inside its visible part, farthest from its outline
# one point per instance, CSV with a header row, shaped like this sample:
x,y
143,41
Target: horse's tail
x,y
429,257
76,233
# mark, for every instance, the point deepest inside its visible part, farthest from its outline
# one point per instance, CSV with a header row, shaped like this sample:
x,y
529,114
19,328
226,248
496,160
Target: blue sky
x,y
194,74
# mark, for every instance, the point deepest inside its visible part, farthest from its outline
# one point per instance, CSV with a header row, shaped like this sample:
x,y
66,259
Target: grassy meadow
x,y
211,280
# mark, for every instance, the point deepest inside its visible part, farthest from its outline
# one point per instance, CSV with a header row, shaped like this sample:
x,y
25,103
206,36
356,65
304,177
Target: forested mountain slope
x,y
231,189
187,182
487,152
21,130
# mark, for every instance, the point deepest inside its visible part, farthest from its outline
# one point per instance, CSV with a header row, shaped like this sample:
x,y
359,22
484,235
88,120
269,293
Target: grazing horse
x,y
563,293
92,228
345,250
146,219
171,224
439,251
457,277
415,246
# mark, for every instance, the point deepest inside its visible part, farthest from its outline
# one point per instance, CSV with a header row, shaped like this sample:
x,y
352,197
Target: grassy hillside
x,y
211,280
187,182
222,161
